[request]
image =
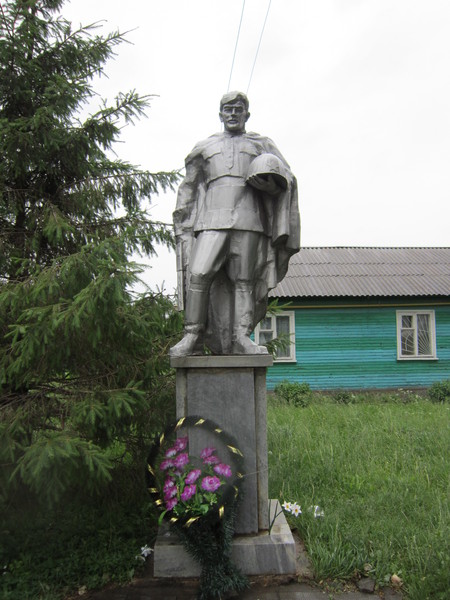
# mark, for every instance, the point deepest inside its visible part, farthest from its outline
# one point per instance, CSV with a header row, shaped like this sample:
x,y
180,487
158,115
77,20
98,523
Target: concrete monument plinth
x,y
231,391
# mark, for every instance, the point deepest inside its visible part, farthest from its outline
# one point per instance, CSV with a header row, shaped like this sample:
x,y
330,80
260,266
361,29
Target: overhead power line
x,y
259,44
257,49
236,45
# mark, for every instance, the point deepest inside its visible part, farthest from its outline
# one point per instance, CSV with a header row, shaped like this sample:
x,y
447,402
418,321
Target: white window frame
x,y
432,332
285,313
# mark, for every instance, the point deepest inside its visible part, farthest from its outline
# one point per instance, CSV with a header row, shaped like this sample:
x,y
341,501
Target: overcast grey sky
x,y
355,93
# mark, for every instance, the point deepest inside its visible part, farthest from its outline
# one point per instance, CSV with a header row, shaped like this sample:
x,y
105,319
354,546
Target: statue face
x,y
234,116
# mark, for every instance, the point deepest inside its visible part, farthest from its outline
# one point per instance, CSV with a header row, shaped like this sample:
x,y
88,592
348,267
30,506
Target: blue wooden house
x,y
362,318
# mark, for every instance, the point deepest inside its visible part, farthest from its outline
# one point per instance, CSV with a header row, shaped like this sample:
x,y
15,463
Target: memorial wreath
x,y
198,496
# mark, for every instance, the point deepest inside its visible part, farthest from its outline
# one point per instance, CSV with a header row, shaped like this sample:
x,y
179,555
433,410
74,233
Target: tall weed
x,y
440,391
294,393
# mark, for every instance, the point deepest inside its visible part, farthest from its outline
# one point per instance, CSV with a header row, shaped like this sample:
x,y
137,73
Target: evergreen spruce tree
x,y
82,362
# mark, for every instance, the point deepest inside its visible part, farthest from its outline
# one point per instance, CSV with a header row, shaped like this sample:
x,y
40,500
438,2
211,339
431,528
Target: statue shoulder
x,y
201,147
256,137
267,145
262,140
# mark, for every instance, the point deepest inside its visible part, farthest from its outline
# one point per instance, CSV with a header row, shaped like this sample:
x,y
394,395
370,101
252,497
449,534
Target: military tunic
x,y
214,193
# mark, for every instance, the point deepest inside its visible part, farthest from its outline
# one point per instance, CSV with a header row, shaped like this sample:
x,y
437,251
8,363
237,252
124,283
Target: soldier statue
x,y
236,224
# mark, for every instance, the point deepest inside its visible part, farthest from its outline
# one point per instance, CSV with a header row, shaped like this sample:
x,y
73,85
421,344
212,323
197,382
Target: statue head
x,y
230,97
234,112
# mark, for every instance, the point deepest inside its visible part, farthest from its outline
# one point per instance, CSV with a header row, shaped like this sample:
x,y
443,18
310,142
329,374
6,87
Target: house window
x,y
416,337
280,326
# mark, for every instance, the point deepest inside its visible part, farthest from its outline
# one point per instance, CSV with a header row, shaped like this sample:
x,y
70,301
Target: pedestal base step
x,y
260,554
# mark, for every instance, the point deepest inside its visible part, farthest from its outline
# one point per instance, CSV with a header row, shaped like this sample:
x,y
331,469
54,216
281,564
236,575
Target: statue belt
x,y
225,181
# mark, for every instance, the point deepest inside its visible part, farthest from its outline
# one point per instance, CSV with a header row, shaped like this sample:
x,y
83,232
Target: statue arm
x,y
189,195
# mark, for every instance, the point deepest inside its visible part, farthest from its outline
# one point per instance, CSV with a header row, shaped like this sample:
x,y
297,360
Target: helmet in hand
x,y
262,167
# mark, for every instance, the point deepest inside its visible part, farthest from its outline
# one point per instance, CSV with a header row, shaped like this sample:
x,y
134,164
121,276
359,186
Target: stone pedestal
x,y
231,391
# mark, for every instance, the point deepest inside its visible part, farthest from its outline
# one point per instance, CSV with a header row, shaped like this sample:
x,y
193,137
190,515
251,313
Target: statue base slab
x,y
261,554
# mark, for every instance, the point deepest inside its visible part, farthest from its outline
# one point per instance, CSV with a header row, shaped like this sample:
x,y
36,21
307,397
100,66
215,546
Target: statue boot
x,y
196,312
187,345
243,321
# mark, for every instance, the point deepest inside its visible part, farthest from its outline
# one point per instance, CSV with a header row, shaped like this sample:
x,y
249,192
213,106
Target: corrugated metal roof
x,y
321,272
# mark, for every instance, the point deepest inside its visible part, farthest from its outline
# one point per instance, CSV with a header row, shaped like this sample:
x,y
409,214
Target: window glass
x,y
423,334
407,342
283,331
407,321
266,323
282,325
264,337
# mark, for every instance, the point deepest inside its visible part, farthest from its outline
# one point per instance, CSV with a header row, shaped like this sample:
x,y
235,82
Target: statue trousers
x,y
239,253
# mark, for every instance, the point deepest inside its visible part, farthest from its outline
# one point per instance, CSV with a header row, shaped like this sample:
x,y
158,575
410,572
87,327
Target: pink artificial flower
x,y
192,476
168,484
181,444
222,469
181,460
211,483
170,493
166,464
207,452
211,460
188,492
171,452
171,503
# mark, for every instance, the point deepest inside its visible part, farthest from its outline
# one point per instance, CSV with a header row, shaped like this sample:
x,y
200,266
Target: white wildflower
x,y
296,510
146,551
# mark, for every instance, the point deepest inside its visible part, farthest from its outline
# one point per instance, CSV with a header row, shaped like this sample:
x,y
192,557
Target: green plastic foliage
x,y
84,377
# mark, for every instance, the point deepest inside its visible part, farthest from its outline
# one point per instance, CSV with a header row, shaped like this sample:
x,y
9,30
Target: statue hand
x,y
184,244
265,183
184,237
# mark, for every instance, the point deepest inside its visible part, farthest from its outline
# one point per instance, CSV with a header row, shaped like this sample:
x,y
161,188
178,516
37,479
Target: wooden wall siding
x,y
356,348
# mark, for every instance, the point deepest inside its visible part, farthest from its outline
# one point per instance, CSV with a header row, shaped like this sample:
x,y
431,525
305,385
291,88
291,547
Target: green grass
x,y
379,470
